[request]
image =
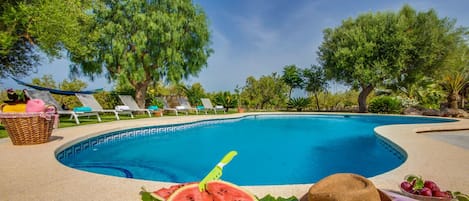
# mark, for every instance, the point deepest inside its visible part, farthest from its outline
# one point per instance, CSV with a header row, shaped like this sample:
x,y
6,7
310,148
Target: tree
x,y
226,99
20,60
315,82
29,27
140,42
72,85
386,47
194,93
268,91
292,77
155,91
45,81
456,76
453,84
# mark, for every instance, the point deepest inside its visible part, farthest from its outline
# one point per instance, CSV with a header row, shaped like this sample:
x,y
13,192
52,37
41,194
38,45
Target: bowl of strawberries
x,y
415,187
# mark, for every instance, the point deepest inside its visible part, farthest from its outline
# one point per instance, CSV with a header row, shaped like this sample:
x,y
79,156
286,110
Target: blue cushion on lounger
x,y
200,107
82,109
153,107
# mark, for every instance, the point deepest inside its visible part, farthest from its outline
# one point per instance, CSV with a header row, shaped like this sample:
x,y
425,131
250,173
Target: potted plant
x,y
156,107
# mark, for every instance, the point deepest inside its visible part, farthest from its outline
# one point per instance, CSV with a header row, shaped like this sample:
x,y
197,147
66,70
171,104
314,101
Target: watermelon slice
x,y
164,193
216,191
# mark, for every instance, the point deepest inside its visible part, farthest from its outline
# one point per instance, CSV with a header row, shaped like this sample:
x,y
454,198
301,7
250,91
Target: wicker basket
x,y
28,128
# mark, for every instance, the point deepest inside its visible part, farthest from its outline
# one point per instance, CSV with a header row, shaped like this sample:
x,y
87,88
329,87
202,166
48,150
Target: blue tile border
x,y
392,147
116,136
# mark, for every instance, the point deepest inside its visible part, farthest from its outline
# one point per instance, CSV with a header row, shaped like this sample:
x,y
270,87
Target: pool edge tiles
x,y
392,147
72,148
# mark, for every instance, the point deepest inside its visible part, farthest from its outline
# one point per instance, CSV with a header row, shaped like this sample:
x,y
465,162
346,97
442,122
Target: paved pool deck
x,y
33,173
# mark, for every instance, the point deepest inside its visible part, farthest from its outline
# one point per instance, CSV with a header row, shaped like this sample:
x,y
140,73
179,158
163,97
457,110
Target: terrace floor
x,y
33,173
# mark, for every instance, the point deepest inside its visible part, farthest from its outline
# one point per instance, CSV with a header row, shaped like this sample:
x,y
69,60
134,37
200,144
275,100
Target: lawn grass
x,y
65,121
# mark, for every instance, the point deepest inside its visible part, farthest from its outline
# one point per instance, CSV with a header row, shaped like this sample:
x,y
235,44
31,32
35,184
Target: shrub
x,y
299,103
157,102
385,104
226,99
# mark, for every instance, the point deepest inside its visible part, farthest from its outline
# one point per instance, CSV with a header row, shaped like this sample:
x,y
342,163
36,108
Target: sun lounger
x,y
47,97
168,108
185,103
208,106
129,101
88,100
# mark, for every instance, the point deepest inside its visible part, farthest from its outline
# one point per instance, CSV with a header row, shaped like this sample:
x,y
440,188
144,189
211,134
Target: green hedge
x,y
385,105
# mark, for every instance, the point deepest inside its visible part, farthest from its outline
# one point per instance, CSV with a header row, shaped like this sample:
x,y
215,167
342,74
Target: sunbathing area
x,y
33,172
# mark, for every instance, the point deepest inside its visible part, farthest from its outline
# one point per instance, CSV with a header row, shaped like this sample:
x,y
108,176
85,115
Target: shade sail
x,y
57,91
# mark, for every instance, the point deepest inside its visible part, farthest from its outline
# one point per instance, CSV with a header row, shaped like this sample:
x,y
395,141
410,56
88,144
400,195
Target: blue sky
x,y
258,37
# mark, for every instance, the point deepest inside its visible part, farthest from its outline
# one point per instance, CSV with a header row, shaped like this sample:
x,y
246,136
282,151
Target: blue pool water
x,y
272,149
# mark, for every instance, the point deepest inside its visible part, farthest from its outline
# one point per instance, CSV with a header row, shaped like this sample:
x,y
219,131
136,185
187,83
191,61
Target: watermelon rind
x,y
191,192
156,196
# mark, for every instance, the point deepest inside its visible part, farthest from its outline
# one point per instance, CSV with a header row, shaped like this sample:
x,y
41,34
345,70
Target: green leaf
x,y
418,184
292,198
418,181
271,198
146,196
460,196
409,178
267,198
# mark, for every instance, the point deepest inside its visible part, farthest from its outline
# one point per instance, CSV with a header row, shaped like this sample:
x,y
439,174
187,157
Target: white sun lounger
x,y
168,108
208,106
88,100
129,101
185,103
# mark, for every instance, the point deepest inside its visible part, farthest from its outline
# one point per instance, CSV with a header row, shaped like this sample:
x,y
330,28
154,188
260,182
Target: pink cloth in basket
x,y
35,105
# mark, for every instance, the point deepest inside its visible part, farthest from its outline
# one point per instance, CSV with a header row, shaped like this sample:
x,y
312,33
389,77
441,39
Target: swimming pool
x,y
273,149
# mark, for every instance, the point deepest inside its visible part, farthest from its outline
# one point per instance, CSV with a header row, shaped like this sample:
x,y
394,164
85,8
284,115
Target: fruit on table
x,y
442,194
216,190
164,193
426,191
406,186
431,185
416,185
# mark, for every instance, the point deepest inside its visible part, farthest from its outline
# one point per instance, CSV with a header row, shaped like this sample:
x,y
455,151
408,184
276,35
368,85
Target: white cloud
x,y
255,32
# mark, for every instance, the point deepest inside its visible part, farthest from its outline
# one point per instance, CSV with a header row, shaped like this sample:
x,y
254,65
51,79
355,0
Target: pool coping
x,y
33,173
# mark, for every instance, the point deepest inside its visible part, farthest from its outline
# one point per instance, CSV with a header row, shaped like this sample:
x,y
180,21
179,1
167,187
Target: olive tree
x,y
268,91
374,48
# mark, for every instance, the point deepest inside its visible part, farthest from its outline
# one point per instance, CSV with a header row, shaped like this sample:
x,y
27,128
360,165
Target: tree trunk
x,y
463,95
140,93
462,100
453,100
317,101
366,90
